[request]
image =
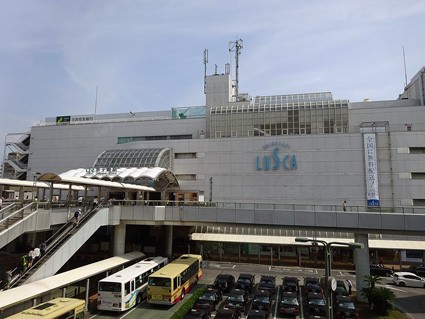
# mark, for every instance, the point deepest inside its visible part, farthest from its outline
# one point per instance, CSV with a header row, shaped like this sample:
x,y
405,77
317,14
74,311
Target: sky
x,y
147,55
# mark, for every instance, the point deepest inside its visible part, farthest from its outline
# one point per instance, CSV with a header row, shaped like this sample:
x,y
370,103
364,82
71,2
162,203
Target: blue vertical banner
x,y
371,166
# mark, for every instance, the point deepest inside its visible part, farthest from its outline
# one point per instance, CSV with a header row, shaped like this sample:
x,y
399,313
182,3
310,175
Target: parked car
x,y
208,300
417,270
262,301
224,282
380,270
246,282
340,289
198,314
345,308
289,304
267,283
290,284
311,284
228,314
256,314
316,304
238,298
409,279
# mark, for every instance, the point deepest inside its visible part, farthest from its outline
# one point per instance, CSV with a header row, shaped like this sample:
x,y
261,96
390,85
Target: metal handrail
x,y
418,210
18,212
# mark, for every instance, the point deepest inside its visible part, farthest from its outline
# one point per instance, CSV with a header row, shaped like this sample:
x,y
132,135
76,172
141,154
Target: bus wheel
x,y
138,299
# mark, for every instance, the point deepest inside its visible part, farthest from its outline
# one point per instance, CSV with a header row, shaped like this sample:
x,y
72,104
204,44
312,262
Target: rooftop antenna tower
x,y
205,69
236,46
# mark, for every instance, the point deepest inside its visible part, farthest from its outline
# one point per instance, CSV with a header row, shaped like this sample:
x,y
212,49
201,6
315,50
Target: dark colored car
x,y
246,282
380,270
267,283
256,314
417,270
224,282
290,284
345,308
340,289
228,314
262,301
316,304
198,314
238,298
289,304
208,300
312,288
311,281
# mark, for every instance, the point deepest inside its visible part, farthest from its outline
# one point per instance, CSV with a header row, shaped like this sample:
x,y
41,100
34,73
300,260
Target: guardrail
x,y
420,210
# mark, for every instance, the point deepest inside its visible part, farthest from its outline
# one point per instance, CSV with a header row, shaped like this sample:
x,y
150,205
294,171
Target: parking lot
x,y
410,299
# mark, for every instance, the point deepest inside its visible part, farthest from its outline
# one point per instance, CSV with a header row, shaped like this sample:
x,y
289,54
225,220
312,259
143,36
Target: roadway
x,y
410,300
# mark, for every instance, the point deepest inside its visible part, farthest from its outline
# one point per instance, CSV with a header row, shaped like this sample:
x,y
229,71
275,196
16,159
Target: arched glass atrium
x,y
148,157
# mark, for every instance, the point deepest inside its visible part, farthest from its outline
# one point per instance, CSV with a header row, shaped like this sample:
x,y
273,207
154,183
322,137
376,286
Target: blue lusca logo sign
x,y
280,157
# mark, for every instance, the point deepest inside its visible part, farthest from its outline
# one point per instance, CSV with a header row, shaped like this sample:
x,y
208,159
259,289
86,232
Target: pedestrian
x,y
8,278
344,206
36,203
80,201
36,254
42,249
350,286
23,264
1,202
30,258
77,215
95,202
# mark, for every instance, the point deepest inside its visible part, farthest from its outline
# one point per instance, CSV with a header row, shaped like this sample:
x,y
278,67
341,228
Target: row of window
x,y
128,139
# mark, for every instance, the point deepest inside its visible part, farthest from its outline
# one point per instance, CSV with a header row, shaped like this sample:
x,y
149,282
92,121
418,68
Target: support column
x,y
361,260
119,239
87,294
168,240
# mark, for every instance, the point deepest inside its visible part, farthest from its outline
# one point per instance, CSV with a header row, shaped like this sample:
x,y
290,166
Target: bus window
x,y
158,281
127,288
110,286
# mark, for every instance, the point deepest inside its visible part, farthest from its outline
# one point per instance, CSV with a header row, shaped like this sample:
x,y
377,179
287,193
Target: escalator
x,y
62,246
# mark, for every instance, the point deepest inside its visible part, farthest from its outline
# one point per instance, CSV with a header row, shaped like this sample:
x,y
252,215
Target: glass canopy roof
x,y
148,157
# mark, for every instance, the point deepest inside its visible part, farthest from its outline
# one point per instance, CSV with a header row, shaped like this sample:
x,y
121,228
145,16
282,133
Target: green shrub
x,y
179,314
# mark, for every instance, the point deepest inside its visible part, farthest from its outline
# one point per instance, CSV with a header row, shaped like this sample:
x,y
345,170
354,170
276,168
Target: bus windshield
x,y
159,281
110,286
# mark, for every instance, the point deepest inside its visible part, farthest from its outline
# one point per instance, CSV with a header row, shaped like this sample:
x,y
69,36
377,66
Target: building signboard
x,y
371,167
280,157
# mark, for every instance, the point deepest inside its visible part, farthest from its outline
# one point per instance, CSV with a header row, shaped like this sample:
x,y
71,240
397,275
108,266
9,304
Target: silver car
x,y
408,279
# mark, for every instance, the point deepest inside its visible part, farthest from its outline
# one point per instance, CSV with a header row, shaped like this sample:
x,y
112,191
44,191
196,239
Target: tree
x,y
380,298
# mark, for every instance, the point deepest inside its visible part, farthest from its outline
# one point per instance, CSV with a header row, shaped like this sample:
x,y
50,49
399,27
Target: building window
x,y
419,202
184,155
417,150
419,175
186,177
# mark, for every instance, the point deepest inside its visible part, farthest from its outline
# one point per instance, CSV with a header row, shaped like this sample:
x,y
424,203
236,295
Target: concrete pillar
x,y
361,260
169,240
119,240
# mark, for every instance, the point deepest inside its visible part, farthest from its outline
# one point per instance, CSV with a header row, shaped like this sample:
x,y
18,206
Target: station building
x,y
300,149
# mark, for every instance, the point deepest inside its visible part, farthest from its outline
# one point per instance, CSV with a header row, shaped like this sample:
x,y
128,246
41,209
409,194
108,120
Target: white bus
x,y
126,288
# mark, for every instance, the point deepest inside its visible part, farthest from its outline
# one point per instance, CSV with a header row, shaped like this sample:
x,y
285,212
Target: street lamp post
x,y
328,266
35,175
